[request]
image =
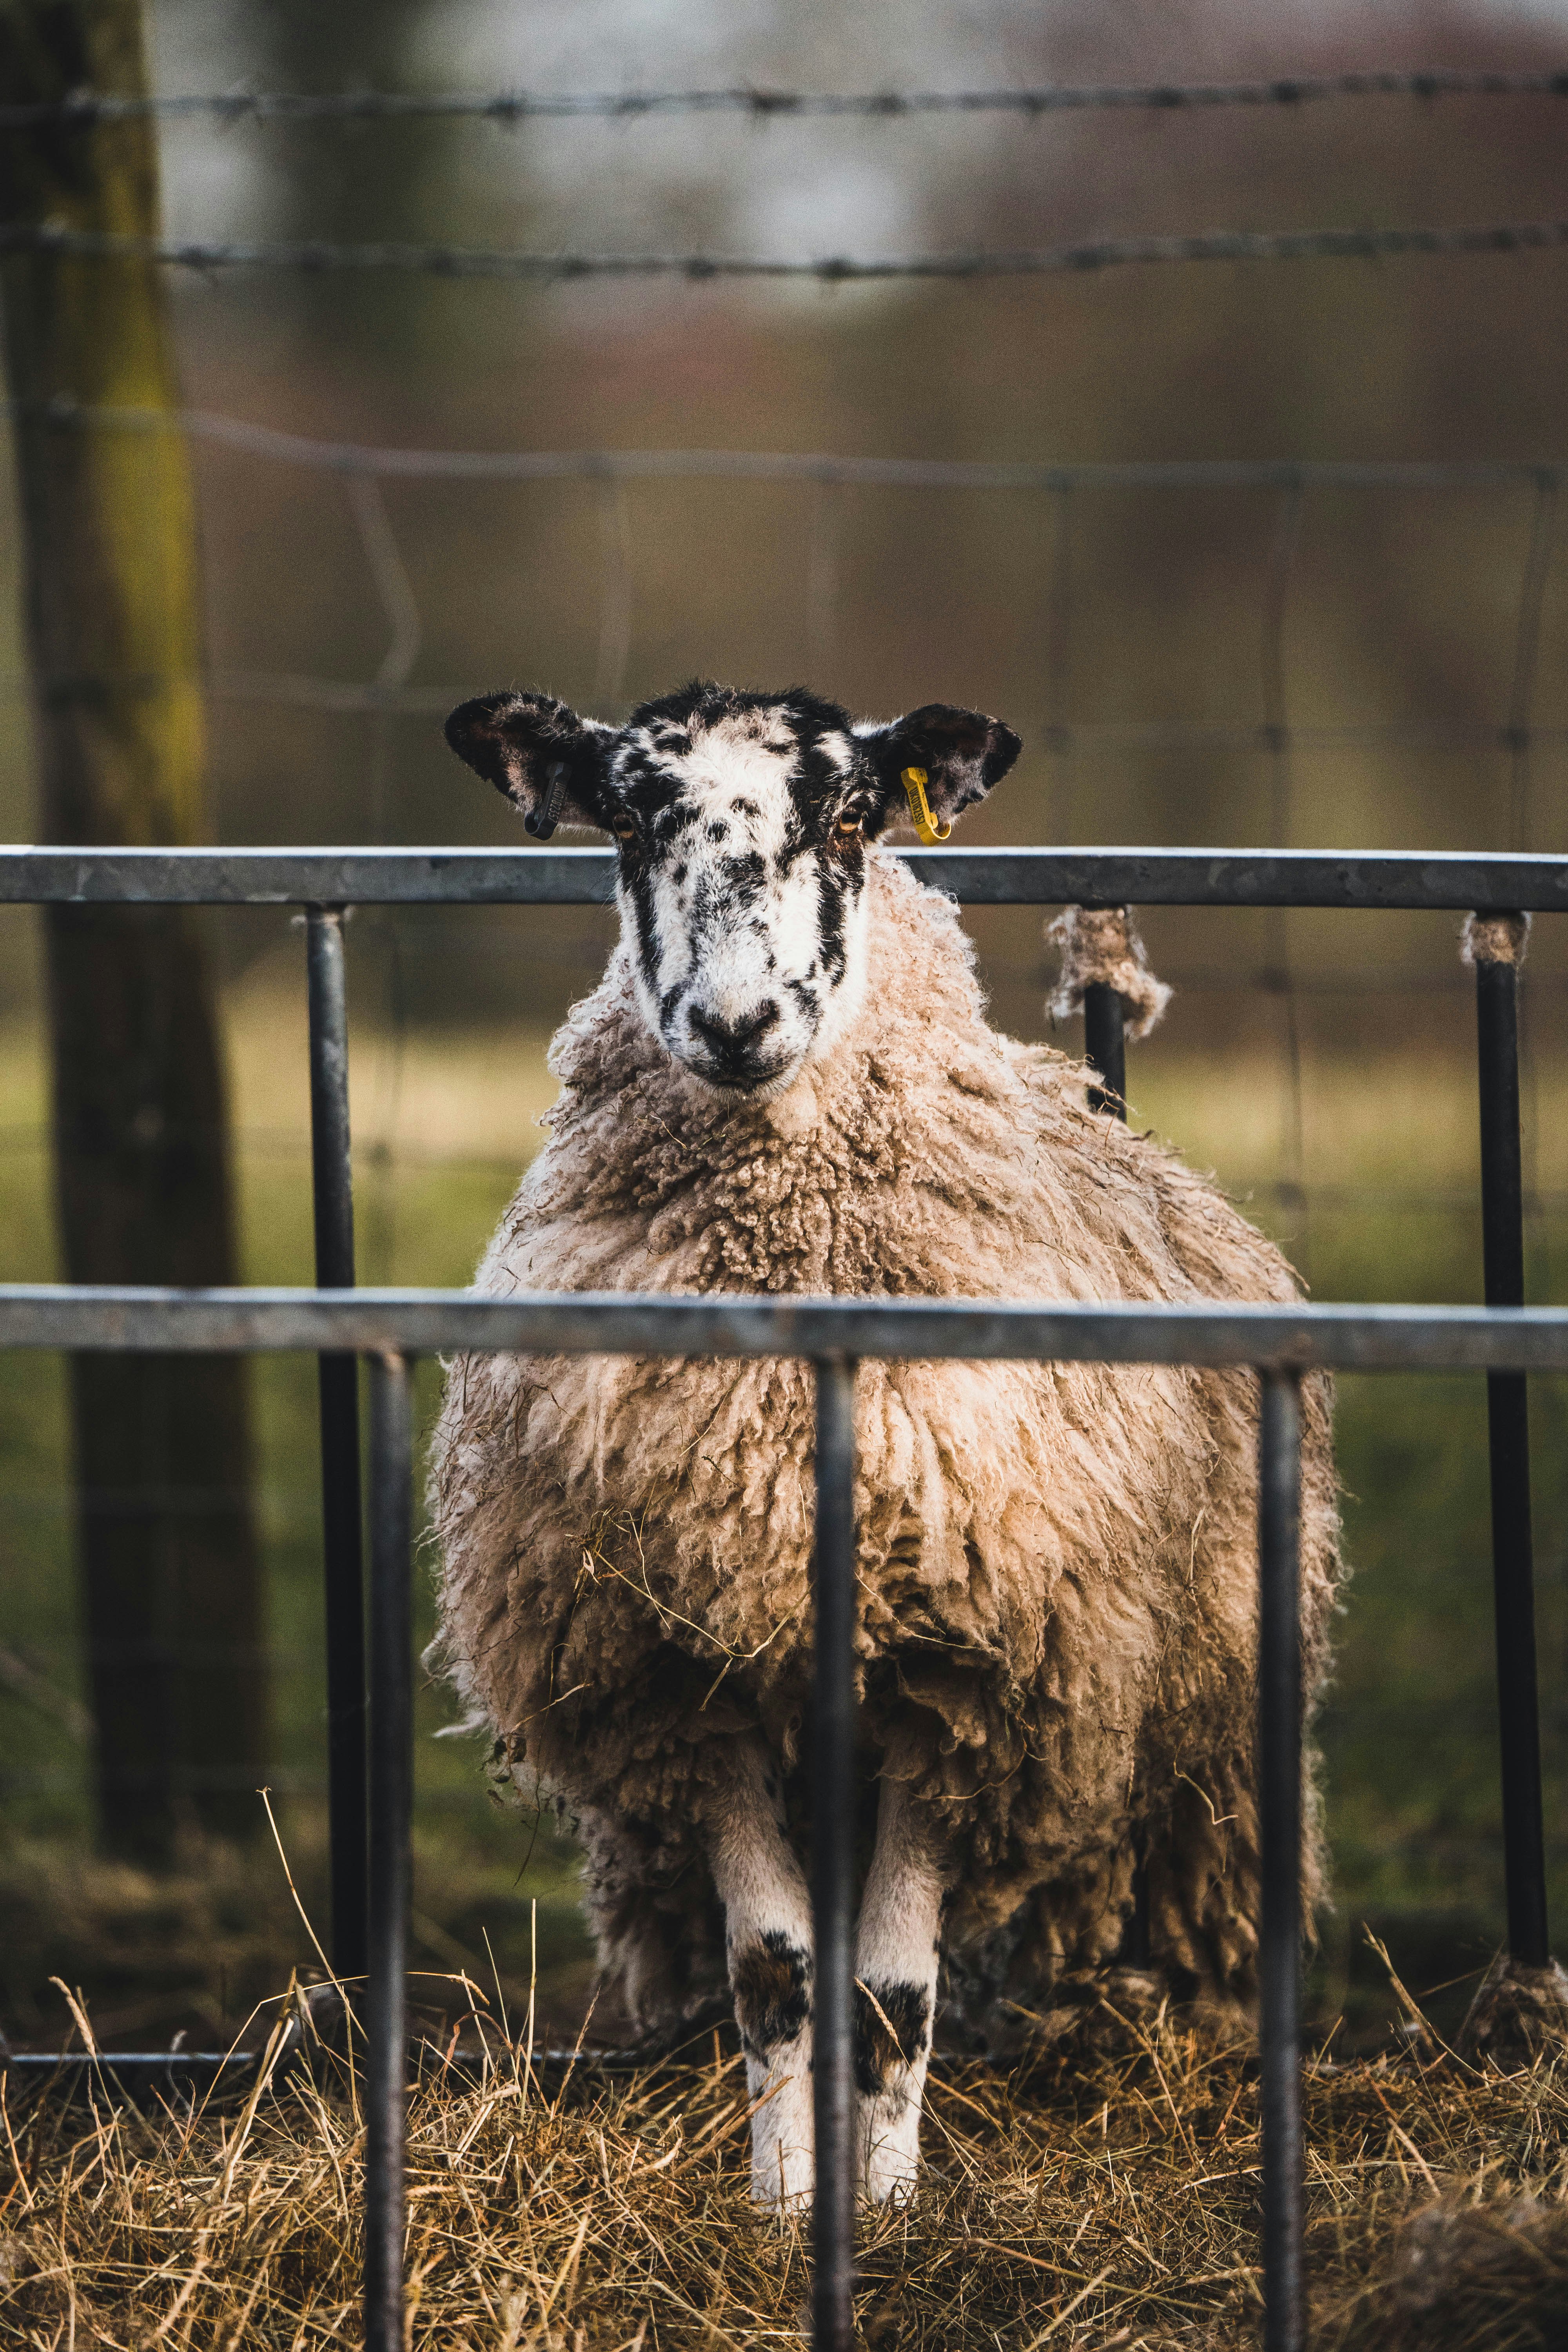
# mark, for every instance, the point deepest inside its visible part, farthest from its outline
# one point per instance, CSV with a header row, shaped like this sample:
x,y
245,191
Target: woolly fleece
x,y
1057,1561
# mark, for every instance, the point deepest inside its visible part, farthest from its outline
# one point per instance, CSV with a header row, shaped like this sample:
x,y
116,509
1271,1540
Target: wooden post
x,y
170,1575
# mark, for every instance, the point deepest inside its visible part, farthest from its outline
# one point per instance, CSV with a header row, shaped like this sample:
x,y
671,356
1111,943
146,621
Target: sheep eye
x,y
624,826
852,826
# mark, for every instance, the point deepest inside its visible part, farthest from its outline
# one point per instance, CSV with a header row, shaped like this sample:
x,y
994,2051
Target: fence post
x,y
173,1579
1508,1420
390,1812
1105,1044
331,1181
833,1860
1279,1827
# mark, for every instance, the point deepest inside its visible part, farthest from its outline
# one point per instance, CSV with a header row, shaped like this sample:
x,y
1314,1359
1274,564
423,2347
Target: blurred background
x,y
1186,665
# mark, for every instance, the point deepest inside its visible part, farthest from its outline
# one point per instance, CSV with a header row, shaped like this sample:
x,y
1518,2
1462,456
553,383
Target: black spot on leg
x,y
770,1981
892,2025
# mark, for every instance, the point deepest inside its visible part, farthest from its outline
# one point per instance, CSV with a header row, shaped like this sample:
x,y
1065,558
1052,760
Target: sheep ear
x,y
962,752
551,765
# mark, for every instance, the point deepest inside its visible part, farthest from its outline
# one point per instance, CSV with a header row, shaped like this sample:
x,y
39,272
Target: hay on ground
x,y
1099,2197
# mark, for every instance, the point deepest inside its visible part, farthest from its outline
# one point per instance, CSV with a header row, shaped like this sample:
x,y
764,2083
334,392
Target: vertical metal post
x,y
1105,1044
331,1176
833,1860
1279,1825
1508,1417
391,1814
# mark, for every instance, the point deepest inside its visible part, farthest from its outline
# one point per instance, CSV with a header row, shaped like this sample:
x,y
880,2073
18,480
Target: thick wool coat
x,y
1057,1563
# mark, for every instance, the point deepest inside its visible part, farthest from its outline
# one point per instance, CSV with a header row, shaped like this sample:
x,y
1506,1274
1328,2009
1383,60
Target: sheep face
x,y
742,822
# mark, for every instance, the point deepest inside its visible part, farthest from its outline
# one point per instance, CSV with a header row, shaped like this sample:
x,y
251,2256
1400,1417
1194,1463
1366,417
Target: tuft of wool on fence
x,y
1494,939
1102,945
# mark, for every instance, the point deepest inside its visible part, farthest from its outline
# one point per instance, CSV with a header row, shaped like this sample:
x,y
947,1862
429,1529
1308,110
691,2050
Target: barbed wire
x,y
86,108
314,255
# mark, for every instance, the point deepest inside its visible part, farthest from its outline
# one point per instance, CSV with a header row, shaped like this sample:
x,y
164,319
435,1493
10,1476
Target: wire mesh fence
x,y
1338,1104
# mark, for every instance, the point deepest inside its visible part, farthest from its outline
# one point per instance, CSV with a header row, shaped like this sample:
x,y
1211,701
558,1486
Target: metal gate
x,y
371,1782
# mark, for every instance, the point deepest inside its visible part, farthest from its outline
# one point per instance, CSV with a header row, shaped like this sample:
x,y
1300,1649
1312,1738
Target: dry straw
x,y
1106,2196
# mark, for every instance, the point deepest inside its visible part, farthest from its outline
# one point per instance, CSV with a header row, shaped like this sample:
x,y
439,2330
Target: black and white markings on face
x,y
741,885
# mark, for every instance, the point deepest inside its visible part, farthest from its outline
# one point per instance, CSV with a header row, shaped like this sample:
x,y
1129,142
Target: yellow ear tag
x,y
921,817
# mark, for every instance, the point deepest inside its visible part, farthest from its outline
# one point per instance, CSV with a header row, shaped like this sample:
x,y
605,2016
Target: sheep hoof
x,y
890,2175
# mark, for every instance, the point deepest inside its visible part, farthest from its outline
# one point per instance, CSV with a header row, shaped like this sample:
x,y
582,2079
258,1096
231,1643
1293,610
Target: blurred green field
x,y
1382,1202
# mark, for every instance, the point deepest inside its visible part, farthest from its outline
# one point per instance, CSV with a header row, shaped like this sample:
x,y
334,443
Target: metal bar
x,y
331,1181
163,2065
833,1859
1508,1420
1105,1044
151,2078
391,1817
619,1323
1456,881
1279,1824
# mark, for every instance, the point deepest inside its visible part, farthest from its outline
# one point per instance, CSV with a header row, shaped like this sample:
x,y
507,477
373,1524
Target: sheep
x,y
786,1081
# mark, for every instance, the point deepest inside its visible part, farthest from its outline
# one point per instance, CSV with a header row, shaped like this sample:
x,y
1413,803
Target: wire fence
x,y
1059,491
1303,1196
1274,733
366,466
86,108
313,255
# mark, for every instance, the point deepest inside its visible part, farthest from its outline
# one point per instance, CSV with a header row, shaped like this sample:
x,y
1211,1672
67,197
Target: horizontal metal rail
x,y
1448,881
148,2077
734,1323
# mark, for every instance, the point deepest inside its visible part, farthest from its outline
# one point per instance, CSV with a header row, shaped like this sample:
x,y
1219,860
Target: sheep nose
x,y
733,1041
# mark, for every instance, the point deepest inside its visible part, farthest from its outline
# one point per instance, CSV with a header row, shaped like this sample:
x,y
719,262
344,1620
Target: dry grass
x,y
196,1947
1105,2197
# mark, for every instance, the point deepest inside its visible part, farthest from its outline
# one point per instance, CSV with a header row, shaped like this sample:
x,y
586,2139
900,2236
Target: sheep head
x,y
742,822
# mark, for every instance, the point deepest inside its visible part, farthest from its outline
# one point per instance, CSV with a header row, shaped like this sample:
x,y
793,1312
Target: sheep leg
x,y
896,1955
767,1933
